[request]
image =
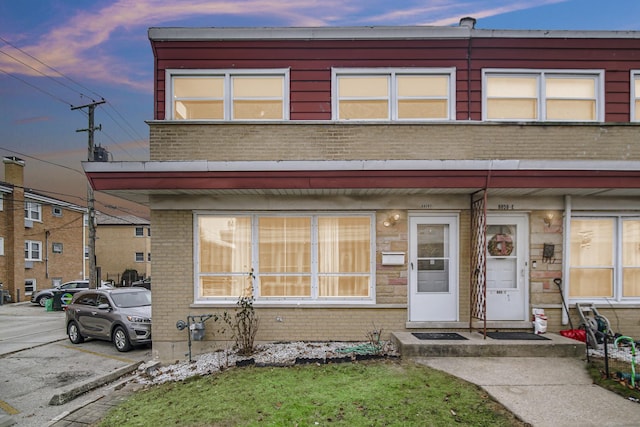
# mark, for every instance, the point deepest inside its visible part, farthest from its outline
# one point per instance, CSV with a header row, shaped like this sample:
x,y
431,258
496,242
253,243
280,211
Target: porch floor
x,y
476,345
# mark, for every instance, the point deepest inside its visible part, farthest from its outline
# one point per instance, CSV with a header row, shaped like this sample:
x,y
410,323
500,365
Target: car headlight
x,y
138,319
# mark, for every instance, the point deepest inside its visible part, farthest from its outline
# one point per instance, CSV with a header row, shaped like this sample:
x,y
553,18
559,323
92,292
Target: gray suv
x,y
119,315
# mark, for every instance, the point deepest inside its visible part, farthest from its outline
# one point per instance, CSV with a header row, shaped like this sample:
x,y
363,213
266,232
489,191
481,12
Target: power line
x,y
53,69
57,98
43,161
42,74
70,88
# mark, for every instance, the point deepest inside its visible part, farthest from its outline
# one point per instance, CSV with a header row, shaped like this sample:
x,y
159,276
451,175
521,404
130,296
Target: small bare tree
x,y
244,324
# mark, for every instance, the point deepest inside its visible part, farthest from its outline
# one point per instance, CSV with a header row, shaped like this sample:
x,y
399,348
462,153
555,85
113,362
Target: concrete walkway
x,y
543,391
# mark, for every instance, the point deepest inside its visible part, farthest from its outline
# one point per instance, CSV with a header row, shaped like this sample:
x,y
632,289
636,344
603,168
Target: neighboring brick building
x,y
123,242
411,178
42,239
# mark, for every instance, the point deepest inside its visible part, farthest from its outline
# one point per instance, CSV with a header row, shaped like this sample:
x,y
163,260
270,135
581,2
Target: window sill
x,y
306,305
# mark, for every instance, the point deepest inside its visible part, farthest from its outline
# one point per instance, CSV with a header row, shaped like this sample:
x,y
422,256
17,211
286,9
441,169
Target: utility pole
x,y
93,284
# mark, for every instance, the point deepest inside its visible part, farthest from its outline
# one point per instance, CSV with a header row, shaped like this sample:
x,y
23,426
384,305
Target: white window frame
x,y
30,208
635,75
29,248
618,298
136,234
314,299
56,211
1,246
1,201
541,76
227,74
33,285
392,73
140,258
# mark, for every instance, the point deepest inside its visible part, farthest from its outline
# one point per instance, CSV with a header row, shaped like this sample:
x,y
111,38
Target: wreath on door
x,y
500,245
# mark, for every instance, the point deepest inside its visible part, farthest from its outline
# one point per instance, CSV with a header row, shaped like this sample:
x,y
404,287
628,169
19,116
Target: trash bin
x,y
57,300
48,304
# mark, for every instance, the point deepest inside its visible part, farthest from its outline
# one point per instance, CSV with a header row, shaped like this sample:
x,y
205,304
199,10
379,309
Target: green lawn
x,y
380,393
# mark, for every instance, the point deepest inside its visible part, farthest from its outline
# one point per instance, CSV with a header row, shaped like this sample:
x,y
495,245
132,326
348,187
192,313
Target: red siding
x,y
310,63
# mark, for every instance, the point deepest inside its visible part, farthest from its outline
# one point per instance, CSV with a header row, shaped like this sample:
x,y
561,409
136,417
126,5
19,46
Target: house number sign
x,y
505,207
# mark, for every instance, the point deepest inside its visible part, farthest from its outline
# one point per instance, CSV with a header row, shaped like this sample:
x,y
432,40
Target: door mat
x,y
515,336
438,336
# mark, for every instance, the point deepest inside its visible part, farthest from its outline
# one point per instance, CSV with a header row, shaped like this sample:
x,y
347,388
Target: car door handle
x,y
94,313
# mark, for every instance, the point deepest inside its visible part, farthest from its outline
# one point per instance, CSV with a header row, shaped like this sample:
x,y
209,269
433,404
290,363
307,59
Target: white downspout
x,y
566,254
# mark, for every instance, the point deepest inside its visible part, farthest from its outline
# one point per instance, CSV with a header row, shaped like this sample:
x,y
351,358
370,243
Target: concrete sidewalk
x,y
543,391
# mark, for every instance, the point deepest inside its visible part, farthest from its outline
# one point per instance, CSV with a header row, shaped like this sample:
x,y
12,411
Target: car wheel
x,y
43,300
121,339
74,333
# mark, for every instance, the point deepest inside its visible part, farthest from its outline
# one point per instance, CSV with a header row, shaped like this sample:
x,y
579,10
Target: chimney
x,y
468,22
14,171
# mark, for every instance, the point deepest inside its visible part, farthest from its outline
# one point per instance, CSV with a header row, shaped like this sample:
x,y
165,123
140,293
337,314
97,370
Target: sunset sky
x,y
55,54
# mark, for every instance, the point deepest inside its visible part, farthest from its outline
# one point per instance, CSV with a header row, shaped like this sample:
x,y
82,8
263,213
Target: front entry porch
x,y
474,344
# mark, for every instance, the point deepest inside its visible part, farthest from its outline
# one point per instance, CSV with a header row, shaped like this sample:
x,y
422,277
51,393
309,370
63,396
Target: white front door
x,y
507,254
433,268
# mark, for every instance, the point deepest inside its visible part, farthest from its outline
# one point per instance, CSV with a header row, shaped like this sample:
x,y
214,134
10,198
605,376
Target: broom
x,y
576,334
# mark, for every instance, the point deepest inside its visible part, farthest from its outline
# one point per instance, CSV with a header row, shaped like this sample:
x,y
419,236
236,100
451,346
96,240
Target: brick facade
x,y
117,245
63,228
397,141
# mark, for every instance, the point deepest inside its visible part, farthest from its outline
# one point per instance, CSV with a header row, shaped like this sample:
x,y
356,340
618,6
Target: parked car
x,y
41,297
144,283
119,315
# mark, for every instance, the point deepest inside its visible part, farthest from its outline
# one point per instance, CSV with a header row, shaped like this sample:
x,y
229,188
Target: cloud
x,y
85,45
30,120
444,12
96,43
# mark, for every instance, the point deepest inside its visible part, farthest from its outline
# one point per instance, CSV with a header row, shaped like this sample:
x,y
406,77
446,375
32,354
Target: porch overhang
x,y
136,181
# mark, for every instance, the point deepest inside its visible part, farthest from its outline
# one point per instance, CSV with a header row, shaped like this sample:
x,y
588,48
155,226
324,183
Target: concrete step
x,y
475,344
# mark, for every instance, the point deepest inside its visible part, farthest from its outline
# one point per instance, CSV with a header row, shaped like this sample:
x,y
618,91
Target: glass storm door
x,y
507,253
433,269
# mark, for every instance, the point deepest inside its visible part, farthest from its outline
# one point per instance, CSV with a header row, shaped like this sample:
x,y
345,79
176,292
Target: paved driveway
x,y
39,365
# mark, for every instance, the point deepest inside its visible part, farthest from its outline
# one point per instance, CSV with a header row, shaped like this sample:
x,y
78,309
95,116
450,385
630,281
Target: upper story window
x,y
228,94
393,94
32,250
32,211
139,232
522,95
635,96
56,211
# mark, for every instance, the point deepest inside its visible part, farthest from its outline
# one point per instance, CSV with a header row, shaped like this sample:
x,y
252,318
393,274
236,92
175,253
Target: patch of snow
x,y
272,354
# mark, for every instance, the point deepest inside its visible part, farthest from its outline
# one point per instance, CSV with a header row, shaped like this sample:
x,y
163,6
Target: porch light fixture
x,y
548,219
391,220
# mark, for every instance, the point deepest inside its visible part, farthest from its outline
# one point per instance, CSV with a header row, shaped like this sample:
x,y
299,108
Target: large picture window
x,y
605,258
305,258
393,94
520,95
227,95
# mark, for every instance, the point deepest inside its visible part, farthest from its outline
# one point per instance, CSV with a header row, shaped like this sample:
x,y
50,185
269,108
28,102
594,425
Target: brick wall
x,y
116,247
398,141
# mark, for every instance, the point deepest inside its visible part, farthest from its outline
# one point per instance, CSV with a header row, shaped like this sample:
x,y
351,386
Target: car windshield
x,y
131,299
